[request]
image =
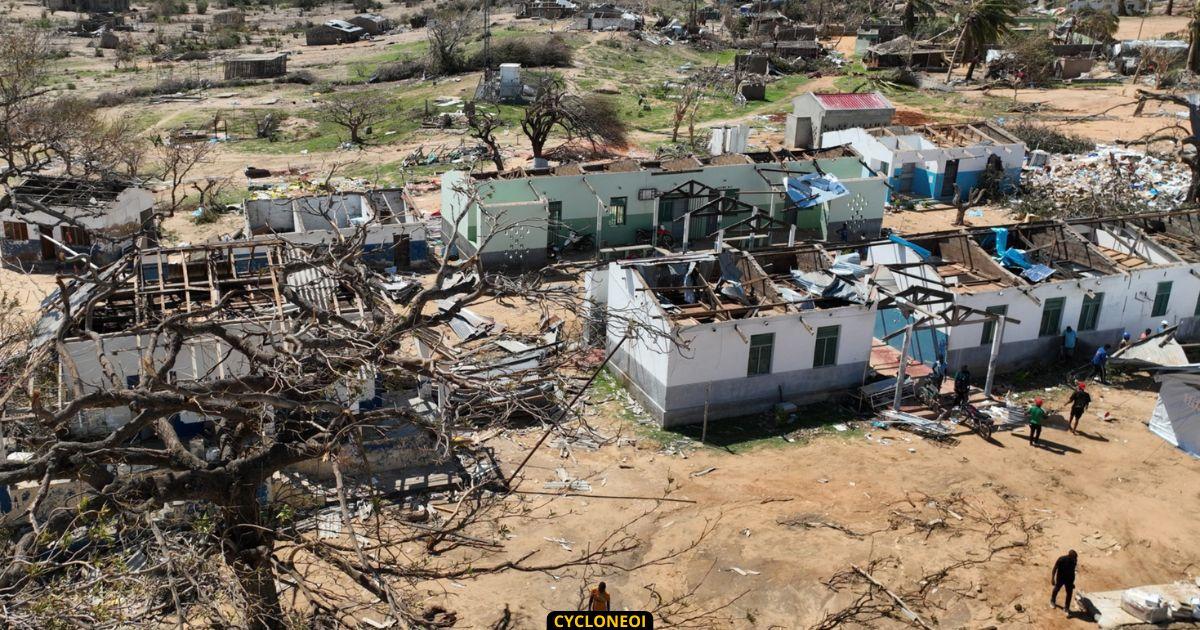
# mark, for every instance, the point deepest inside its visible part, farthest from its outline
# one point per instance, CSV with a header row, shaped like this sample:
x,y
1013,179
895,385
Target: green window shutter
x,y
761,348
1089,313
1162,298
827,346
1052,311
989,327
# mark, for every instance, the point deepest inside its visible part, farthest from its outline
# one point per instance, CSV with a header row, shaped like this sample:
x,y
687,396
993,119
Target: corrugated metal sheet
x,y
873,100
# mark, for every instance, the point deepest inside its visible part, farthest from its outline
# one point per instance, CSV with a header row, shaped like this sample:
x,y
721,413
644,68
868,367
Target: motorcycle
x,y
575,242
645,236
980,422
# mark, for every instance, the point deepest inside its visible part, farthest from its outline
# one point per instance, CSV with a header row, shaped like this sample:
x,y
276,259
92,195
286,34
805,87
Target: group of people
x,y
1080,399
1099,363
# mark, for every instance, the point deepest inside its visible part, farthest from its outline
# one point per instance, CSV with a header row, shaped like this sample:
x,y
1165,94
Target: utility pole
x,y
487,38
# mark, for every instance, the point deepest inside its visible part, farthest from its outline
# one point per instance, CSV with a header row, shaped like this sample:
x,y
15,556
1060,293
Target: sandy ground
x,y
28,289
1116,493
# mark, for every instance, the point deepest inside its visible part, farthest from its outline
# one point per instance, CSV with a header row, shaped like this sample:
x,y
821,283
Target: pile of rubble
x,y
1109,170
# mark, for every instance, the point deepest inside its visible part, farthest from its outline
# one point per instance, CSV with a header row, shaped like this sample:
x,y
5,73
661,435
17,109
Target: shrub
x,y
301,77
398,71
531,52
201,7
1050,140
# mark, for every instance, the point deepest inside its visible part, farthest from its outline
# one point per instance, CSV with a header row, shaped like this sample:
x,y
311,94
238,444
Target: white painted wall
x,y
716,352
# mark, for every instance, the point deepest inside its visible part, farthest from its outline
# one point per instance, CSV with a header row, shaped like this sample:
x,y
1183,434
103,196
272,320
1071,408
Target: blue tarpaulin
x,y
1011,257
925,254
811,189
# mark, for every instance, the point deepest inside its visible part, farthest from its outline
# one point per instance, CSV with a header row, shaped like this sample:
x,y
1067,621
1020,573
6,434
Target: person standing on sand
x,y
1080,400
1063,576
1037,415
600,599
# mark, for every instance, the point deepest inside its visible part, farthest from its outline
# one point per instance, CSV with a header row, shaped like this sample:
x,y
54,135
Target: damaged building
x,y
516,216
46,218
333,32
250,280
546,9
1101,277
607,17
738,330
726,333
930,160
815,114
393,238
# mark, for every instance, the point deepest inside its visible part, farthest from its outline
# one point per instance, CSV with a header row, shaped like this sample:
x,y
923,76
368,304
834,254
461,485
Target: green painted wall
x,y
518,202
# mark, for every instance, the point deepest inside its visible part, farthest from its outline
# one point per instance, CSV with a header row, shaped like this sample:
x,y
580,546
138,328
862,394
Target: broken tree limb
x,y
908,612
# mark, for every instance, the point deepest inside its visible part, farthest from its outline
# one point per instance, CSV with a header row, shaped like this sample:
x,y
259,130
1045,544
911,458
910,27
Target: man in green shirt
x,y
1037,416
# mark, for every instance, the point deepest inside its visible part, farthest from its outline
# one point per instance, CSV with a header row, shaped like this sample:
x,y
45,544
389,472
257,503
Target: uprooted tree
x,y
1186,140
269,350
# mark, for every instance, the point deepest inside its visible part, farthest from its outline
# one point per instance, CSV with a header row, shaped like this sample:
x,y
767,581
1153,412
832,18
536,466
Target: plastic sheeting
x,y
925,254
812,189
1176,417
1010,257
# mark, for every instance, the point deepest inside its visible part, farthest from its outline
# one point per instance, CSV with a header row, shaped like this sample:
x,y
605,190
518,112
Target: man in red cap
x,y
1037,415
1080,400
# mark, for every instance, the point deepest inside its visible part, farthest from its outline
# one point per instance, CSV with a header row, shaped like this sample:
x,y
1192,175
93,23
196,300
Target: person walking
x,y
1037,415
600,599
1163,325
1100,363
1069,339
1080,400
1062,576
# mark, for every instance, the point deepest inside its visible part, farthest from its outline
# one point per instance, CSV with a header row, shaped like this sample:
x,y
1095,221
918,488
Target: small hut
x,y
333,32
256,66
233,18
372,23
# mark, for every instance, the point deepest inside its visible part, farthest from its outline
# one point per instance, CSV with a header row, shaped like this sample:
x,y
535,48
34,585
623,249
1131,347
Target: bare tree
x,y
554,107
175,163
448,31
483,125
24,98
690,96
356,112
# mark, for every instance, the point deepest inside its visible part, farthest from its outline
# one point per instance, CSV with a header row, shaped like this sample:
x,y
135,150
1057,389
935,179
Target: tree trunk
x,y
1193,60
354,137
248,548
910,17
538,145
497,157
1170,6
954,53
971,68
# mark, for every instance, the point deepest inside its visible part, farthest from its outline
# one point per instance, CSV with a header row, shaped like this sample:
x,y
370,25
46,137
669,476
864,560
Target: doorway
x,y
400,251
949,178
